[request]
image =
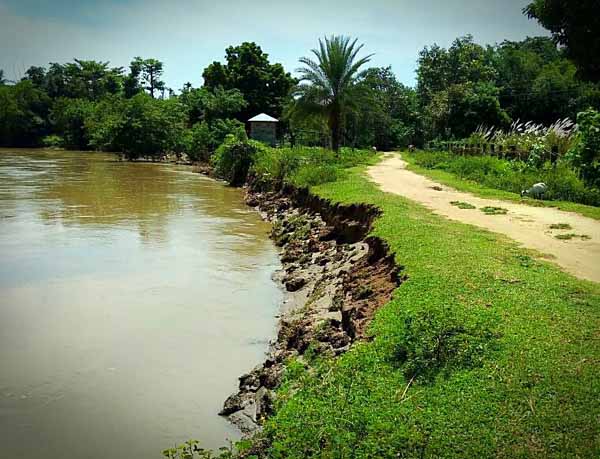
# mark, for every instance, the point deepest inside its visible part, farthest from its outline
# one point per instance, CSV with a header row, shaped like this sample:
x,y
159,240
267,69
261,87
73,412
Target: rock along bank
x,y
336,276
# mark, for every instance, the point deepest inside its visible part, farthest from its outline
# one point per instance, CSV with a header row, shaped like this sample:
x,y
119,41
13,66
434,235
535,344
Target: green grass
x,y
449,179
561,226
463,205
569,236
484,352
491,210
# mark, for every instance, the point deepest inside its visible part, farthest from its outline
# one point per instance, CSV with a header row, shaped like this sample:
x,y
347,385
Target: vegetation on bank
x,y
239,160
484,352
513,176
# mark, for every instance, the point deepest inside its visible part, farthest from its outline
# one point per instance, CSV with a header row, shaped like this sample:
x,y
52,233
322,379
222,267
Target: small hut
x,y
263,128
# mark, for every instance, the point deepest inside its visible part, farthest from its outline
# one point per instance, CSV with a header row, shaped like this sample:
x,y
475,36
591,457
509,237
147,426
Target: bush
x,y
304,166
221,128
53,141
202,139
199,142
233,159
585,154
68,117
275,165
441,339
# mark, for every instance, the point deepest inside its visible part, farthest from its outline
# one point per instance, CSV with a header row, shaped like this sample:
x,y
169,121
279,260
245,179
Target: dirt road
x,y
530,226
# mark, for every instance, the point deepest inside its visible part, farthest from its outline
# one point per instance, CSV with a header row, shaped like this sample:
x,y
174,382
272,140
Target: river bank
x,y
335,276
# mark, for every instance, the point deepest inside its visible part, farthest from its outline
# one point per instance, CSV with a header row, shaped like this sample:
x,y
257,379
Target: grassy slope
x,y
536,394
449,179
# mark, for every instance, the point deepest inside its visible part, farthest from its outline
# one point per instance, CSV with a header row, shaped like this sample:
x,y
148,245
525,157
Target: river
x,y
132,296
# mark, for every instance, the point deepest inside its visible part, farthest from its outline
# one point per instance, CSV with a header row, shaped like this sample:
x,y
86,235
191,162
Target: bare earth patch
x,y
525,224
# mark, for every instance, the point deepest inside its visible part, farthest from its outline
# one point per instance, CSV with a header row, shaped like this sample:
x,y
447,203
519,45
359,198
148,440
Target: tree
x,y
329,83
204,104
147,73
92,80
80,79
387,115
457,89
574,24
148,127
56,81
68,117
37,75
265,86
538,83
465,61
23,115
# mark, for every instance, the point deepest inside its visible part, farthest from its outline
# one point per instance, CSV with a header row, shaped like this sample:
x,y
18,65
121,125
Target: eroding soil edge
x,y
337,277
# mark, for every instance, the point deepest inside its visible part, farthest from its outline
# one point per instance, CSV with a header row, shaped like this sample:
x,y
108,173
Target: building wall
x,y
263,132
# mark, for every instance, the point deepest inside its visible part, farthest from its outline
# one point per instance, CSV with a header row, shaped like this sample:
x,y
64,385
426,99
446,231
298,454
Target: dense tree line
x,y
91,105
467,85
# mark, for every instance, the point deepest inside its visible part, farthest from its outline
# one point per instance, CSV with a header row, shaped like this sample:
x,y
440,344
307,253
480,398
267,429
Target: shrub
x,y
221,128
585,154
304,166
442,339
233,159
275,165
199,142
53,141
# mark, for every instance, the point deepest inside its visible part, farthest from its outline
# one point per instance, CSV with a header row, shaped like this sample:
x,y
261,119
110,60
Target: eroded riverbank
x,y
336,277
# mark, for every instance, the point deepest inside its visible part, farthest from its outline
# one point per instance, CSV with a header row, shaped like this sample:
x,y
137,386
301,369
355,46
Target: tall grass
x,y
305,166
530,136
563,182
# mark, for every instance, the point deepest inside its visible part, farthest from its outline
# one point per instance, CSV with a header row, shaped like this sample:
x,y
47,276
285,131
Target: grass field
x,y
483,352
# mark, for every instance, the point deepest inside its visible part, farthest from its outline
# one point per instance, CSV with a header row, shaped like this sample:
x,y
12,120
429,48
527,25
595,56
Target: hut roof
x,y
264,118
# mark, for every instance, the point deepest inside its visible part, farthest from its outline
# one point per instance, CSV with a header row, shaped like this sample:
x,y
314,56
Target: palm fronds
x,y
328,81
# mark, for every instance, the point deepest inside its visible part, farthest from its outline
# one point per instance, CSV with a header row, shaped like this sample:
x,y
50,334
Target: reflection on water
x,y
131,298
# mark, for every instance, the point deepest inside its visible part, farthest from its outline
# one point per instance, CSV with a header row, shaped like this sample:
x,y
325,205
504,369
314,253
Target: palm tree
x,y
328,84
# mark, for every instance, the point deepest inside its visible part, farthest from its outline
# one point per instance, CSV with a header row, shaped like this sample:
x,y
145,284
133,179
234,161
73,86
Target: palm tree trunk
x,y
334,125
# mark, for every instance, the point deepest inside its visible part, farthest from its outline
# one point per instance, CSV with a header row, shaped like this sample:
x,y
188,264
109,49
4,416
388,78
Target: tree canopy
x,y
264,86
574,24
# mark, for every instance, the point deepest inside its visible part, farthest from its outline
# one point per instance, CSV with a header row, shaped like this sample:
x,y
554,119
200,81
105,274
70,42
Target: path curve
x,y
530,226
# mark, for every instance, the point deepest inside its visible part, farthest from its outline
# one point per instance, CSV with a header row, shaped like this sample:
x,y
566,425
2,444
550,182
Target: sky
x,y
187,35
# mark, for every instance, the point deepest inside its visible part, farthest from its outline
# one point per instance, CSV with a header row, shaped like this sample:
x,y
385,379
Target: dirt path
x,y
530,226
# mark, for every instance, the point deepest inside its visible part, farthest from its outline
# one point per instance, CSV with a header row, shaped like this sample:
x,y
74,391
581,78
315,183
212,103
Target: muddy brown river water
x,y
132,296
